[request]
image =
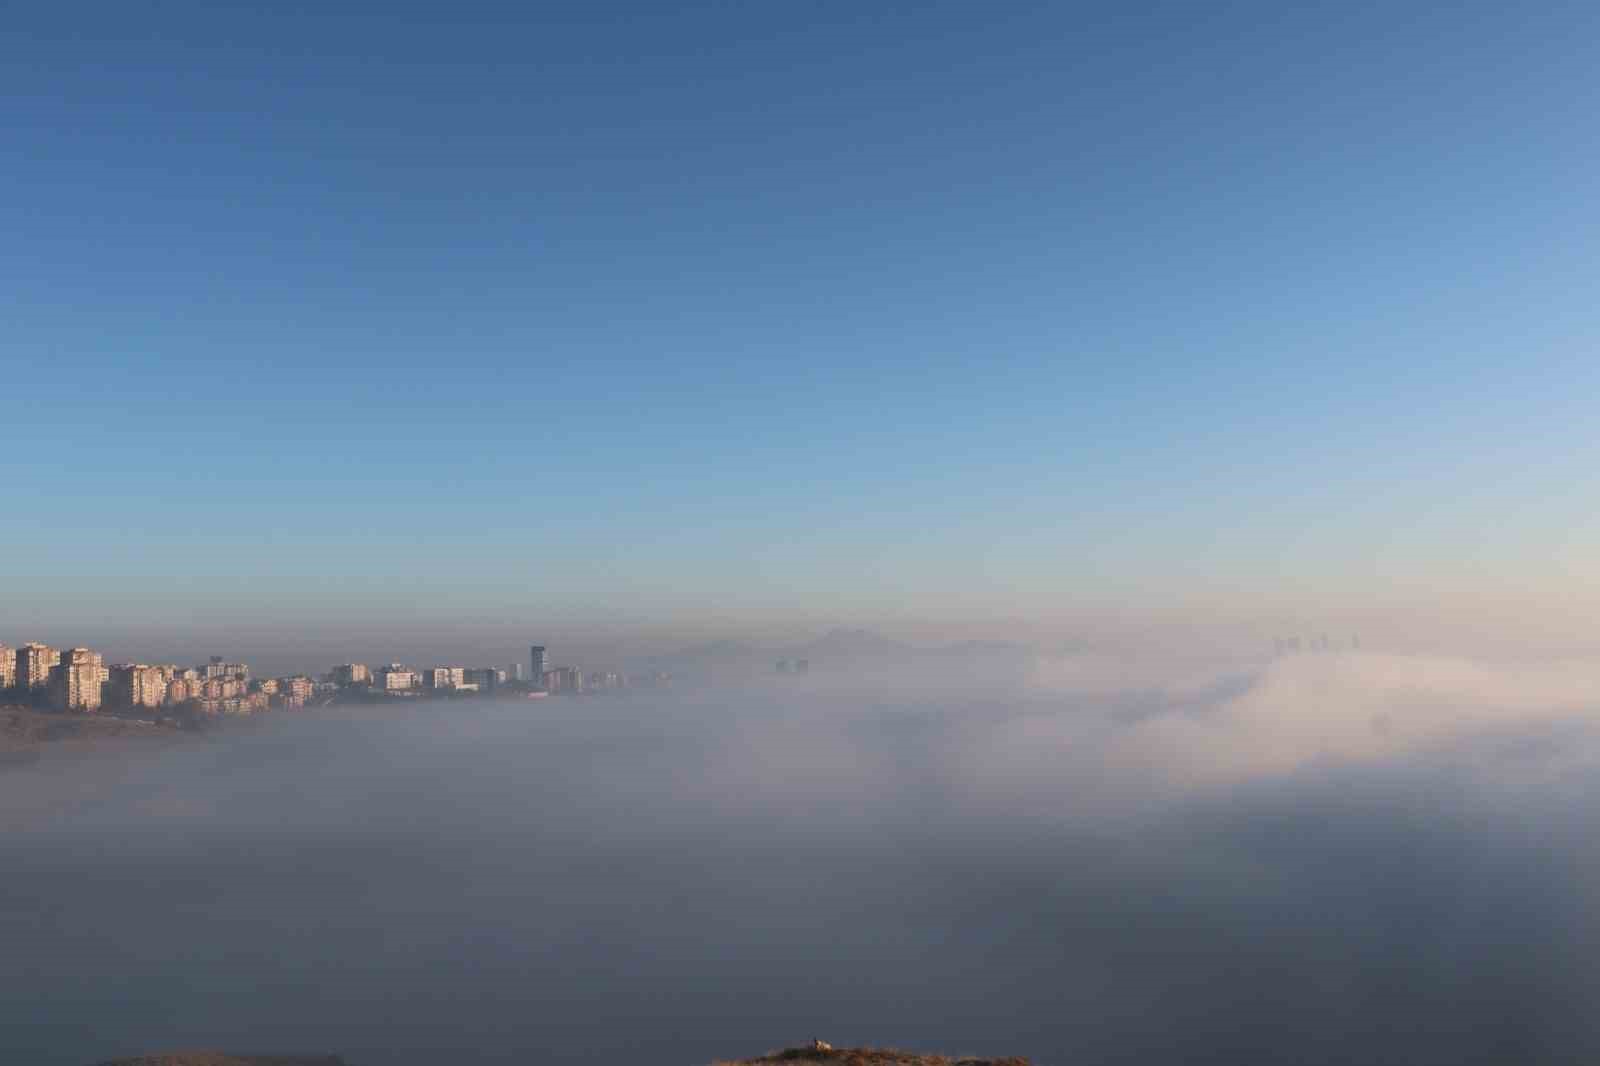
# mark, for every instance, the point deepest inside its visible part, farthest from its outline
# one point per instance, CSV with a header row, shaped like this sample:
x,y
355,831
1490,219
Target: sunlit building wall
x,y
75,682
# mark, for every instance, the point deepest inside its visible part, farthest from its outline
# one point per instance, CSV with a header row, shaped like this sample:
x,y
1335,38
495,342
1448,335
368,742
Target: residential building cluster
x,y
1295,645
402,680
77,679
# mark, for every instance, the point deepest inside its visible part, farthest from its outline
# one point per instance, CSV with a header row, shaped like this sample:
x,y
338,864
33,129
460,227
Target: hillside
x,y
24,731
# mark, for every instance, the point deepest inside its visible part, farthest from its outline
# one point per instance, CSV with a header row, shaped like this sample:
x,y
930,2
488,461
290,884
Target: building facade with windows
x,y
76,680
34,663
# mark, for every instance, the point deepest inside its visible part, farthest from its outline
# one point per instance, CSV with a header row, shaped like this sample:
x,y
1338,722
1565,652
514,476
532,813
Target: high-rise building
x,y
8,667
75,680
136,685
444,677
536,655
487,679
34,663
223,688
395,677
219,669
517,672
352,674
294,691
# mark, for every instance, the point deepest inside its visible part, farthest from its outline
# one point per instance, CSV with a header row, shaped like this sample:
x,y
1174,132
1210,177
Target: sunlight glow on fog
x,y
1102,862
1326,708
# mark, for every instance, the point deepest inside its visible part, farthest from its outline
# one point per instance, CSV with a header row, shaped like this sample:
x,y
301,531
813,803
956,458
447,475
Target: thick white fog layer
x,y
1322,859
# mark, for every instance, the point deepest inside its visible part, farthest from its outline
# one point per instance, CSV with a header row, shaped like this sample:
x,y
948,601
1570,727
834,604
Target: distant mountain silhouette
x,y
719,650
840,643
840,646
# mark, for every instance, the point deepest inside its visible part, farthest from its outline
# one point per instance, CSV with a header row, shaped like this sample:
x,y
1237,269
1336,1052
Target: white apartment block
x,y
444,677
34,663
75,682
395,677
138,685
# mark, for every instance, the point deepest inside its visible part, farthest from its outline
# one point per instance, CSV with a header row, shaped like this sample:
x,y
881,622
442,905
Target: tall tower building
x,y
34,662
8,667
135,685
352,674
536,656
75,680
216,668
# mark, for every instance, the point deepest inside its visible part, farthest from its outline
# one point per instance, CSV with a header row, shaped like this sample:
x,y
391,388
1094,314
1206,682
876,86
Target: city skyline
x,y
79,679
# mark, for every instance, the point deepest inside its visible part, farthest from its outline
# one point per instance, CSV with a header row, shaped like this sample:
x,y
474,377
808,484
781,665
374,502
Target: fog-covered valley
x,y
1318,859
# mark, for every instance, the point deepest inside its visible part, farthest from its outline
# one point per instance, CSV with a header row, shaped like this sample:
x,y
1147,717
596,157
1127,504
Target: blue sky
x,y
838,309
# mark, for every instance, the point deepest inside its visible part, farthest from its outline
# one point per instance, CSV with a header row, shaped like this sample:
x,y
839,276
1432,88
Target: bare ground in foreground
x,y
835,1056
25,732
217,1058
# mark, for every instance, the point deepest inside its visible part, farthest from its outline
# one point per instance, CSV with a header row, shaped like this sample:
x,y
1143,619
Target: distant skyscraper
x,y
518,672
571,678
444,677
8,667
395,677
352,674
295,691
216,668
536,657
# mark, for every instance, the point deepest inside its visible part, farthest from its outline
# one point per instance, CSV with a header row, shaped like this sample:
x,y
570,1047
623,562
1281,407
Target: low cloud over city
x,y
1364,856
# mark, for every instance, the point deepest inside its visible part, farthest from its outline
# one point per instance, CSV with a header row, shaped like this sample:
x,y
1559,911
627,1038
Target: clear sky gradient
x,y
848,310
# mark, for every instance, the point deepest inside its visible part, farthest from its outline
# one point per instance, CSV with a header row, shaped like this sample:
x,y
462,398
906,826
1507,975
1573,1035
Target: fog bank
x,y
1316,859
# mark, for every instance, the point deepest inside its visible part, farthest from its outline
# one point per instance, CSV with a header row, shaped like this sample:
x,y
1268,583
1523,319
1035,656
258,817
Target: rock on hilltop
x,y
867,1056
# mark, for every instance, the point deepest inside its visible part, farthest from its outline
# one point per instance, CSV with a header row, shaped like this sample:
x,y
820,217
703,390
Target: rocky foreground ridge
x,y
817,1053
217,1058
866,1056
